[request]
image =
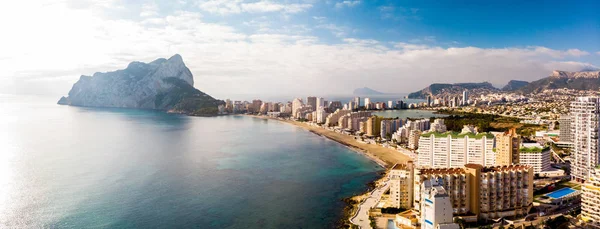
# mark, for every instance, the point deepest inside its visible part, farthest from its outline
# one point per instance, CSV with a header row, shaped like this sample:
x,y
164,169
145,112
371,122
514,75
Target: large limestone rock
x,y
163,84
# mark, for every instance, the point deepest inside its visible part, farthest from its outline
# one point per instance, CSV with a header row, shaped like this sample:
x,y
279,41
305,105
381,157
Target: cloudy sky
x,y
296,47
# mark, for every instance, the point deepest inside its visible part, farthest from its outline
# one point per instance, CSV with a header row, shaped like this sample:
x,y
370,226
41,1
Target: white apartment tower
x,y
465,98
585,115
436,208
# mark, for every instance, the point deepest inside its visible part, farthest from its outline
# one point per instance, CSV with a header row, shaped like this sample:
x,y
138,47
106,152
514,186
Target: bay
x,y
74,167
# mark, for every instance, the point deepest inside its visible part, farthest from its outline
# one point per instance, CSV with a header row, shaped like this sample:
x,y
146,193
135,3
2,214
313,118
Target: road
x,y
361,219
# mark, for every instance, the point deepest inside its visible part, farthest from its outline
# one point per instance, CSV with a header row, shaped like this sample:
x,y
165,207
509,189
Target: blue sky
x,y
258,47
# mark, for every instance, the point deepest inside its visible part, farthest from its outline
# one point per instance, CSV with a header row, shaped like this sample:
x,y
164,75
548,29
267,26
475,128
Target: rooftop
x,y
458,135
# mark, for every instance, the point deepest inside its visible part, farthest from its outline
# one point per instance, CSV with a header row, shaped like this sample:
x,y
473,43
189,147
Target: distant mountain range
x,y
163,84
582,80
366,91
439,88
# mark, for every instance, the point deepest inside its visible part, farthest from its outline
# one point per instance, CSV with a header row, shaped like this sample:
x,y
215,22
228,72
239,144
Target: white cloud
x,y
149,10
224,7
347,3
226,61
577,52
338,31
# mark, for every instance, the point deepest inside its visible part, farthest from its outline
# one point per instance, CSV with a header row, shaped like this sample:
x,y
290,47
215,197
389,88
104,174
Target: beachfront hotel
x,y
590,198
453,150
401,185
585,121
479,192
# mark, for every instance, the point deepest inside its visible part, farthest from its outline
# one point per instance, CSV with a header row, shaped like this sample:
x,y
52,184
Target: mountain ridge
x,y
438,88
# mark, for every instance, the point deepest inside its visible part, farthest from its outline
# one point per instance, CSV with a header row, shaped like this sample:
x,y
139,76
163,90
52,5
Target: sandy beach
x,y
385,157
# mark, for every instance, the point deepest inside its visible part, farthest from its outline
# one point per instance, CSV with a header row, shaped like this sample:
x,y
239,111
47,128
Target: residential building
x,y
401,185
368,104
465,98
296,105
389,126
356,103
311,101
507,147
413,139
438,126
590,198
566,134
429,100
536,156
335,105
585,116
453,150
484,192
350,121
390,104
436,207
320,103
374,126
333,118
321,115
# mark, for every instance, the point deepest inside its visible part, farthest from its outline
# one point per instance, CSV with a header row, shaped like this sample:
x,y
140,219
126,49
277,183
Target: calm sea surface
x,y
71,167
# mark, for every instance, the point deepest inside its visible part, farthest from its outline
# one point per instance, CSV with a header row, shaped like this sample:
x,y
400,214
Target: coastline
x,y
384,157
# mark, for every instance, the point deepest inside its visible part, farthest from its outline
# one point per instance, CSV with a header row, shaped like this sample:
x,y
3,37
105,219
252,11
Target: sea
x,y
76,167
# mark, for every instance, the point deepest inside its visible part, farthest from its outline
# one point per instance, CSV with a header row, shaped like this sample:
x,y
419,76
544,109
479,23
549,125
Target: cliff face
x,y
163,84
575,75
585,80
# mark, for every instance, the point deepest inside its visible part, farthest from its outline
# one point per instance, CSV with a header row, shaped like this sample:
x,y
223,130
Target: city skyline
x,y
239,47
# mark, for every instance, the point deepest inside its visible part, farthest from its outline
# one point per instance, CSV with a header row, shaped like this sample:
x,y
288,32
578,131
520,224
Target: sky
x,y
240,48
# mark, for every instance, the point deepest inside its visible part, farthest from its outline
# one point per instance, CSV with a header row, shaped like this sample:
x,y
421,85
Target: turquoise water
x,y
71,167
561,193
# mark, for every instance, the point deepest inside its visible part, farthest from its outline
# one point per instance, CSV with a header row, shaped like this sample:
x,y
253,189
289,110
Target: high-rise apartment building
x,y
465,98
389,126
368,104
296,105
585,116
401,185
374,125
507,147
312,102
536,156
356,103
436,207
333,118
566,134
590,198
453,150
484,192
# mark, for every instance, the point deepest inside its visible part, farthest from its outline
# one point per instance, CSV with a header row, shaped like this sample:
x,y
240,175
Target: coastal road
x,y
361,219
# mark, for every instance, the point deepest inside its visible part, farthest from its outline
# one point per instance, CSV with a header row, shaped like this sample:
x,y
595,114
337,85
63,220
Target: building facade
x,y
401,185
436,209
590,198
585,115
566,134
486,192
536,156
508,145
454,150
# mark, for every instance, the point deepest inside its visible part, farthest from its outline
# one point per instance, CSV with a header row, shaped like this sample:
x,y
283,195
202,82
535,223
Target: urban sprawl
x,y
505,177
